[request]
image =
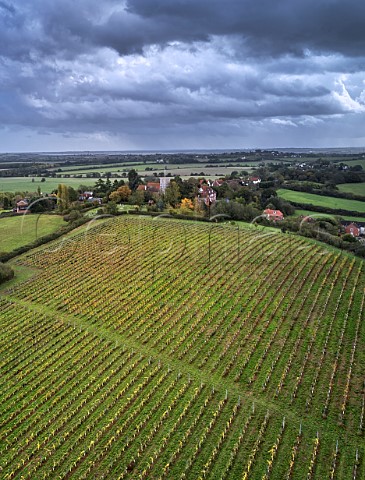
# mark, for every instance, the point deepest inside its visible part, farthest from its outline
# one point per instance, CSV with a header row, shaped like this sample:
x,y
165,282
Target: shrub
x,y
72,216
6,273
349,238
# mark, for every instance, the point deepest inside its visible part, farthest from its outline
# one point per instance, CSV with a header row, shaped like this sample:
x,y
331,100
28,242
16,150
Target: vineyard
x,y
158,349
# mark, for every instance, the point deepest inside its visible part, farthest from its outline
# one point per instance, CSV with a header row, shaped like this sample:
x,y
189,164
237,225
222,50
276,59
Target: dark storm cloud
x,y
264,27
267,27
200,68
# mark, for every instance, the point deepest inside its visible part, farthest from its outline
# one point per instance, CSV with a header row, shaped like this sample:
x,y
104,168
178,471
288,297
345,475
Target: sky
x,y
181,74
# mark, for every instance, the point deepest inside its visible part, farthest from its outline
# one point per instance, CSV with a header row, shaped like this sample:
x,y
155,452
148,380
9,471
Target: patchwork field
x,y
184,171
152,349
25,184
322,201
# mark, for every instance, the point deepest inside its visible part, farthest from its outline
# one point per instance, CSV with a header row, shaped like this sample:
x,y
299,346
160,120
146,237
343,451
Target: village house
x,y
156,187
85,196
153,187
273,215
218,183
22,206
206,194
353,229
89,197
254,180
251,181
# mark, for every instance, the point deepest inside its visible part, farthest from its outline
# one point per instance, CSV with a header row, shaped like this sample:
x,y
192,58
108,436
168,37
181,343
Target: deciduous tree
x,y
63,200
133,179
121,194
172,194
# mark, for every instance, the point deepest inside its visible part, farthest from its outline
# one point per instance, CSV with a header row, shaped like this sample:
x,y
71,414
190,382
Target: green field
x,y
319,200
25,184
355,188
23,229
150,348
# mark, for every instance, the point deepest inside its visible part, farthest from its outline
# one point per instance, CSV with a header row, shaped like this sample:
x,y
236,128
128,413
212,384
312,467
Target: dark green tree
x,y
72,194
100,188
134,179
6,203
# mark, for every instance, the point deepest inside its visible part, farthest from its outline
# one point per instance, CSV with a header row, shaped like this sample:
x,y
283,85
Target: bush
x,y
72,216
111,208
349,238
6,273
235,210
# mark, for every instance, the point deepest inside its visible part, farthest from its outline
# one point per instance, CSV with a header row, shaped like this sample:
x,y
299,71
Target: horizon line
x,y
187,150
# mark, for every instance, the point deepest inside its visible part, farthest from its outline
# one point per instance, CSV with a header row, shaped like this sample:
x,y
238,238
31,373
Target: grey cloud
x,y
211,69
268,27
7,8
265,28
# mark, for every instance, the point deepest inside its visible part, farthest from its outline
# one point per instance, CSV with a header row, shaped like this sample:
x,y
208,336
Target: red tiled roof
x,y
153,184
277,213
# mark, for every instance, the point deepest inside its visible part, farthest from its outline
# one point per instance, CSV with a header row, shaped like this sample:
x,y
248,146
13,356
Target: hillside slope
x,y
163,349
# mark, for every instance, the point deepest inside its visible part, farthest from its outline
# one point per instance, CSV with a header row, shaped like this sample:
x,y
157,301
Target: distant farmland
x,y
171,170
25,184
150,349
